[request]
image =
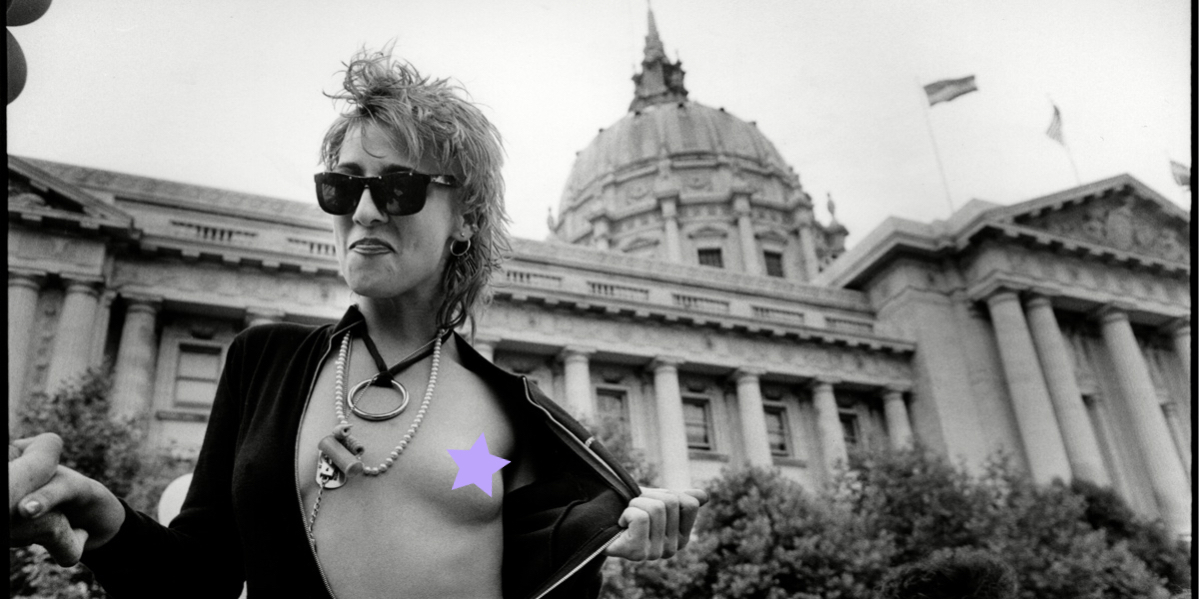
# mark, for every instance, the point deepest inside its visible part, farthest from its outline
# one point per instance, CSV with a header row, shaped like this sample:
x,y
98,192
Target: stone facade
x,y
1057,330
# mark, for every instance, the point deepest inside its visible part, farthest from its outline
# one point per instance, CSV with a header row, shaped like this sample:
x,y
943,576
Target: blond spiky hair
x,y
430,118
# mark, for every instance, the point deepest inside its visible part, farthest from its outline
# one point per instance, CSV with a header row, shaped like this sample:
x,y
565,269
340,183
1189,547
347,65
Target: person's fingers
x,y
633,542
53,531
670,502
700,495
689,509
65,487
657,513
33,468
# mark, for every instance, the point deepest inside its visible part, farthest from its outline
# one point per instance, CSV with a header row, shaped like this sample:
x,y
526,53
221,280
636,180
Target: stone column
x,y
671,230
754,422
1040,436
579,382
486,346
133,374
672,435
600,237
1178,433
896,412
1167,477
741,206
829,425
73,336
262,316
808,245
100,331
23,291
1181,336
1083,451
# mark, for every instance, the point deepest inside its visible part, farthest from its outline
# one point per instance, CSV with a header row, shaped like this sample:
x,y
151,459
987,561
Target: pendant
x,y
328,476
362,414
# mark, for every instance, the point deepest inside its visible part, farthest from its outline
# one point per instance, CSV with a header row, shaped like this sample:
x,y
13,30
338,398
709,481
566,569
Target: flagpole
x,y
937,155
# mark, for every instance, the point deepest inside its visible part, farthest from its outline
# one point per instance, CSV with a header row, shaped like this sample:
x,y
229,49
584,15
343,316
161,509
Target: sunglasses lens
x,y
337,194
400,194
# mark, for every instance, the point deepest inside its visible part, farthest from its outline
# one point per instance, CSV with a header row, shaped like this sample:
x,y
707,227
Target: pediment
x,y
36,193
772,236
708,232
640,243
1126,216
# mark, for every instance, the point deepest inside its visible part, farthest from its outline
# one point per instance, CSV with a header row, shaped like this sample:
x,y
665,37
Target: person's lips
x,y
371,245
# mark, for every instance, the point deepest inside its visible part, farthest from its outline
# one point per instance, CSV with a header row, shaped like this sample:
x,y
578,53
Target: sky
x,y
229,93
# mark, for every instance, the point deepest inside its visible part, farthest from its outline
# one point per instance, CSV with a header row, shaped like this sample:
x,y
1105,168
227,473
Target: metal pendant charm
x,y
328,476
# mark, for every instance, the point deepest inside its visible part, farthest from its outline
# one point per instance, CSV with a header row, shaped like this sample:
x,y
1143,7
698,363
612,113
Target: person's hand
x,y
31,464
66,515
657,524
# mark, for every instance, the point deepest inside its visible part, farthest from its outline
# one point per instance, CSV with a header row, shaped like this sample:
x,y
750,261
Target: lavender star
x,y
476,466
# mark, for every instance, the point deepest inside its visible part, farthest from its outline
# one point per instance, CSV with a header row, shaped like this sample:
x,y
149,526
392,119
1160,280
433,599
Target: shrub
x,y
98,446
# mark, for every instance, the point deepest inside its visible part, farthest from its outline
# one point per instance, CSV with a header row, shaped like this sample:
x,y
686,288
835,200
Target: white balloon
x,y
172,498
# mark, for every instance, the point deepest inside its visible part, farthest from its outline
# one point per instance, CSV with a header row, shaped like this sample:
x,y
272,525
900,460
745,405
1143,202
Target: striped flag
x,y
949,89
1055,130
1182,174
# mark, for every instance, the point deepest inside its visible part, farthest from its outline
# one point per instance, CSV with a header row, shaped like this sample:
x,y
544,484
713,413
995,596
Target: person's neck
x,y
398,326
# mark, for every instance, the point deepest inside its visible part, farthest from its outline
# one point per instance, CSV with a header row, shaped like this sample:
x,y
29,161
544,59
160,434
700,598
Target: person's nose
x,y
366,213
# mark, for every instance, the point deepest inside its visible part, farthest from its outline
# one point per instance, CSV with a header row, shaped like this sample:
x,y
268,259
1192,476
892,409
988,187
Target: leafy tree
x,y
98,446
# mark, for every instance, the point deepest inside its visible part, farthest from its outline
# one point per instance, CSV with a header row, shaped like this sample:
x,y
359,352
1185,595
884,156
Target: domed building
x,y
680,181
688,297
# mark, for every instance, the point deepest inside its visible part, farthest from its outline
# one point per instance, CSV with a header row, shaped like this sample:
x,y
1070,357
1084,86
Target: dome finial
x,y
660,81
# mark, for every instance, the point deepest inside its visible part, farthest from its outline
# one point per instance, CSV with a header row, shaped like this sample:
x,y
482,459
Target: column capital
x,y
488,339
666,362
894,390
668,206
82,286
1181,326
1111,313
1038,299
26,278
1002,295
142,304
255,314
573,352
748,373
823,380
741,205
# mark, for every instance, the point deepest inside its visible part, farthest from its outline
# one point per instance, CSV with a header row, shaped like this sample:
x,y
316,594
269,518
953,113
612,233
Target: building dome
x,y
678,180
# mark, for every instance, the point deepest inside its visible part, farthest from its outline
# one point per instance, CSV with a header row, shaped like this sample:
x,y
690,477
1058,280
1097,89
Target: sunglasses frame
x,y
380,187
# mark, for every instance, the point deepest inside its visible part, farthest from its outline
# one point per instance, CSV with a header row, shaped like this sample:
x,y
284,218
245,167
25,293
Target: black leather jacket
x,y
242,520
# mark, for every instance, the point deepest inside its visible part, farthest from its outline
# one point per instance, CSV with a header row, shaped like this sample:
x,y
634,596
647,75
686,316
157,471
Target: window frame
x,y
788,446
717,251
706,403
767,263
858,430
182,347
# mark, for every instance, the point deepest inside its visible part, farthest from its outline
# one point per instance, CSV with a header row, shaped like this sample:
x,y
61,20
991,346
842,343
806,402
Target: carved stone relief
x,y
1125,222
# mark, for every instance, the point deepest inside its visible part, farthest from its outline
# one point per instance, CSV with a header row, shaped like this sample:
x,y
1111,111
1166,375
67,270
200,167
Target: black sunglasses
x,y
396,194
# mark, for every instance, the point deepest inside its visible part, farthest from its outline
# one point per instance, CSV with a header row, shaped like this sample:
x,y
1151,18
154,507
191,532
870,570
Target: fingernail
x,y
32,508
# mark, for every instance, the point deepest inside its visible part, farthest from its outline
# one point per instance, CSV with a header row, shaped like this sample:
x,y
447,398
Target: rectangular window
x,y
850,430
777,431
613,407
698,423
711,257
774,263
196,375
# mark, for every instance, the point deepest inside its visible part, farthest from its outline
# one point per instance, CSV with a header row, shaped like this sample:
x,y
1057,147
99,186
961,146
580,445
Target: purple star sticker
x,y
476,466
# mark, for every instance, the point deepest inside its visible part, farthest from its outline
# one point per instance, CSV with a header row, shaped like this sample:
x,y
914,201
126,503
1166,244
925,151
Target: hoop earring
x,y
464,251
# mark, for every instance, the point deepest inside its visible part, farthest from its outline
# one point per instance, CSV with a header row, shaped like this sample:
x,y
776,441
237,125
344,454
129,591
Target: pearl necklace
x,y
340,454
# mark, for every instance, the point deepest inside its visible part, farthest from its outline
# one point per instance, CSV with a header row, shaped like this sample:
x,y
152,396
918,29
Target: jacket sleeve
x,y
199,554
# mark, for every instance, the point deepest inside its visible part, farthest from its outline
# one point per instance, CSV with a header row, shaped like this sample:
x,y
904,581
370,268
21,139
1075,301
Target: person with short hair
x,y
380,456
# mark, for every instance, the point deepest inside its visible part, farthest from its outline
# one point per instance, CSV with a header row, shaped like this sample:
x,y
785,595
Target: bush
x,y
98,446
909,523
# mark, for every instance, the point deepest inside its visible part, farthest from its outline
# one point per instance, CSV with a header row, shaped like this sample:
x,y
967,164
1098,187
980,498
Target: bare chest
x,y
432,507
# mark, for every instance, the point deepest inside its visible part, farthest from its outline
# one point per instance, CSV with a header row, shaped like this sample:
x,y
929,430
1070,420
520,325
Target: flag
x,y
1055,129
1182,174
949,89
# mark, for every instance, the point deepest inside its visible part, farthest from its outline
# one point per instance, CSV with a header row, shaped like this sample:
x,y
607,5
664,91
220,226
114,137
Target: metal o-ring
x,y
377,416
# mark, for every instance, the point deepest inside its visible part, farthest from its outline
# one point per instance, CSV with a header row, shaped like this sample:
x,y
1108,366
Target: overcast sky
x,y
228,94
